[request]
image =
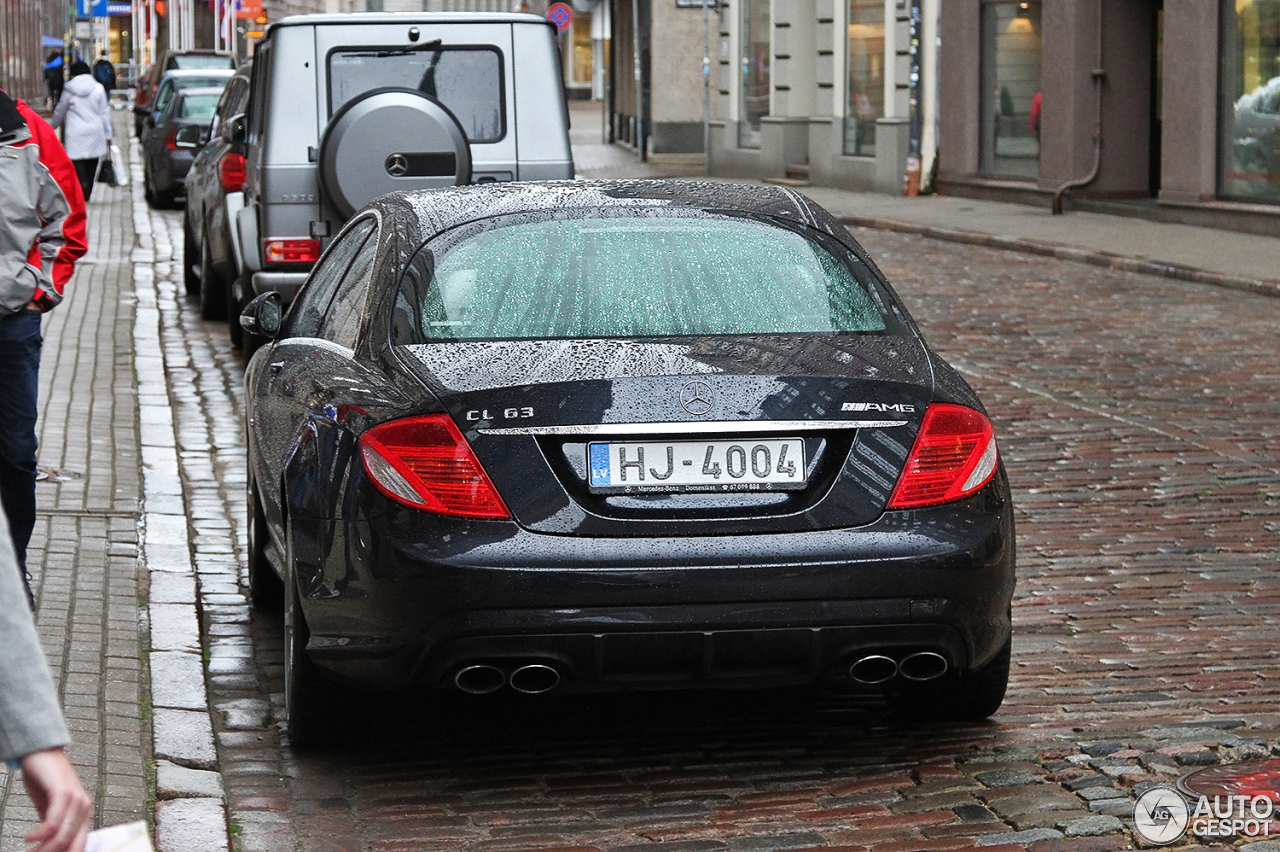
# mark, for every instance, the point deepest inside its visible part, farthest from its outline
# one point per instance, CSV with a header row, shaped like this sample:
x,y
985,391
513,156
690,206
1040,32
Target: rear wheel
x,y
213,299
190,275
265,588
303,687
958,696
234,330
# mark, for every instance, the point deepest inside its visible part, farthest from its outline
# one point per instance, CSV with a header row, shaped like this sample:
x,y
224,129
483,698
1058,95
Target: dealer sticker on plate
x,y
685,466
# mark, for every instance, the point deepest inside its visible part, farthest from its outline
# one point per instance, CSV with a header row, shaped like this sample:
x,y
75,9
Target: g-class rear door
x,y
464,66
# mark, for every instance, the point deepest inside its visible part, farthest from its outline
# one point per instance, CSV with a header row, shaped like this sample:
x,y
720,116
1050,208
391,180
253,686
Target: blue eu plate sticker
x,y
598,458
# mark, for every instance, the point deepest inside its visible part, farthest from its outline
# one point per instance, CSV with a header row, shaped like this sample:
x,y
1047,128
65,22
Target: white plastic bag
x,y
117,166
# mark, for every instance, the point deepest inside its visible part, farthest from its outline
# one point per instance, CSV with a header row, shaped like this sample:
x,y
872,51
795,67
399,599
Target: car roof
x,y
196,92
440,209
186,73
425,18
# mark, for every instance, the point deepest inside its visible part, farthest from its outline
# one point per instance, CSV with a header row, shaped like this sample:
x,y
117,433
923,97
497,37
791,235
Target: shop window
x,y
864,97
1010,97
582,70
1250,159
756,59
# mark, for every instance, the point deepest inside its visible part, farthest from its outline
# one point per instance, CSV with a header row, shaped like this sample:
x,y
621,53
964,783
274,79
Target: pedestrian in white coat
x,y
84,114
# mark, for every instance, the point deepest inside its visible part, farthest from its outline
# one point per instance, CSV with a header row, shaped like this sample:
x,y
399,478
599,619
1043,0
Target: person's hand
x,y
65,808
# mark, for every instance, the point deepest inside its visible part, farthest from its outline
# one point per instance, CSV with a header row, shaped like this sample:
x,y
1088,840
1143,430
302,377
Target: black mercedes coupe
x,y
619,435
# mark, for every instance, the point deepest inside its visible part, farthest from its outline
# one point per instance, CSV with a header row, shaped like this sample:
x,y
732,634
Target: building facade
x,y
825,90
1173,104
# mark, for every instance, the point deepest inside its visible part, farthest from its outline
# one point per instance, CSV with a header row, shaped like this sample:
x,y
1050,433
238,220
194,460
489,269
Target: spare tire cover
x,y
389,140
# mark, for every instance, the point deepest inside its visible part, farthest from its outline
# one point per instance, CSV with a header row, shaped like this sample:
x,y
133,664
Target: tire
x,y
163,199
958,696
190,279
304,691
213,296
266,590
234,330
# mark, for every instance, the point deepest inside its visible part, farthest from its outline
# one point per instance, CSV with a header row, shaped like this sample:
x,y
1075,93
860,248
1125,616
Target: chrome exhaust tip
x,y
924,665
873,669
534,679
480,679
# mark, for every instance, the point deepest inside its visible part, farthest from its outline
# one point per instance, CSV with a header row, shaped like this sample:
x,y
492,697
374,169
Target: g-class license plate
x,y
687,466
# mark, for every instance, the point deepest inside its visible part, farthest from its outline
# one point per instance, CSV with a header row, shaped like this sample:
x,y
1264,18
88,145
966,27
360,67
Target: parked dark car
x,y
188,60
619,435
171,83
169,147
215,192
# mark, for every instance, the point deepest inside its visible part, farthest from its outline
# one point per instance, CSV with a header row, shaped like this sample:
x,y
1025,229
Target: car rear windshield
x,y
199,106
466,80
656,276
202,63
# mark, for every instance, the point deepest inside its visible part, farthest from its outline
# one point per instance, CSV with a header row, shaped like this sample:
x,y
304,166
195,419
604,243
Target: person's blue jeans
x,y
20,342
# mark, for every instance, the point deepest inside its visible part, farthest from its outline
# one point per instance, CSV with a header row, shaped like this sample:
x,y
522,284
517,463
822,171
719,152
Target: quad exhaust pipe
x,y
480,679
875,669
484,678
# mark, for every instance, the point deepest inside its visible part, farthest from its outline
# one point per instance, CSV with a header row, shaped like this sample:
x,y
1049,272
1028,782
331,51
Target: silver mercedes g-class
x,y
344,108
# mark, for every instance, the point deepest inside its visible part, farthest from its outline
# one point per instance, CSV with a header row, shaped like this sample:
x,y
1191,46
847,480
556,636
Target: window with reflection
x,y
756,59
864,96
1249,162
1010,100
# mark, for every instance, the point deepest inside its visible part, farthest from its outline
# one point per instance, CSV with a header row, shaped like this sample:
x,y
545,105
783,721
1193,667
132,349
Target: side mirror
x,y
262,316
235,130
191,136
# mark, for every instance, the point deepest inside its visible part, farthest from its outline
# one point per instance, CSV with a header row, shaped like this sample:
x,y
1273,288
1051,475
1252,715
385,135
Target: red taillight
x,y
424,462
231,171
171,141
291,251
954,455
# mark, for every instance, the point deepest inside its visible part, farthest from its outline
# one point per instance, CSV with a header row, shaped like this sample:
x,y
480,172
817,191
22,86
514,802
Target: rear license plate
x,y
690,466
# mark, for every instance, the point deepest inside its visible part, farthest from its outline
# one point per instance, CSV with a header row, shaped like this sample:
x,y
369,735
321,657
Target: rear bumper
x,y
613,614
286,284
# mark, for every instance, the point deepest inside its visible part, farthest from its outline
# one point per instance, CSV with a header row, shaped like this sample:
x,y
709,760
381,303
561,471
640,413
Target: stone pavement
x,y
1138,418
84,554
1207,255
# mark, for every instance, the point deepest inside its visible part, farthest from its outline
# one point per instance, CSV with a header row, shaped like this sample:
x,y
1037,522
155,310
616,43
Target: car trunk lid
x,y
737,434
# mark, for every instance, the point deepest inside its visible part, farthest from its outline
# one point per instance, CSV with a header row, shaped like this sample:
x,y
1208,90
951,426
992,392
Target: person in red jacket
x,y
42,234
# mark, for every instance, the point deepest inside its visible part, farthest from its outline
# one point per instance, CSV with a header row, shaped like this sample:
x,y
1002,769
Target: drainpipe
x,y
1099,77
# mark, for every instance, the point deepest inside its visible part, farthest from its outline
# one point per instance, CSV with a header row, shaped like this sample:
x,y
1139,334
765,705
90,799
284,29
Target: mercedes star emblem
x,y
397,165
697,397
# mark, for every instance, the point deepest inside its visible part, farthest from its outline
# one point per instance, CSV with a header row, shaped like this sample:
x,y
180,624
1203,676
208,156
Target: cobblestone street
x,y
1140,421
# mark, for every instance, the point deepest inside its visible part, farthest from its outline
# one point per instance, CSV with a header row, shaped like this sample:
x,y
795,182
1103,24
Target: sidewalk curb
x,y
190,810
1107,260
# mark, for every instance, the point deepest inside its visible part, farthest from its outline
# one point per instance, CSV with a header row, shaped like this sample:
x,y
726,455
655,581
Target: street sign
x,y
561,15
91,8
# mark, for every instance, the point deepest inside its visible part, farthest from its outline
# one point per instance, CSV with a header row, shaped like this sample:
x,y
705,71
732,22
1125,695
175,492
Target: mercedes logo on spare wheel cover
x,y
397,165
697,397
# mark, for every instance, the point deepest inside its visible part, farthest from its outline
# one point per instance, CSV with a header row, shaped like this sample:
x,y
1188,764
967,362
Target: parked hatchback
x,y
215,192
620,435
345,108
188,60
171,142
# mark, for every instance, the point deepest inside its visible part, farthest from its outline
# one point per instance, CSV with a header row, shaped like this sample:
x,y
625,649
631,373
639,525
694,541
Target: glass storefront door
x,y
1249,161
1010,96
864,98
756,59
